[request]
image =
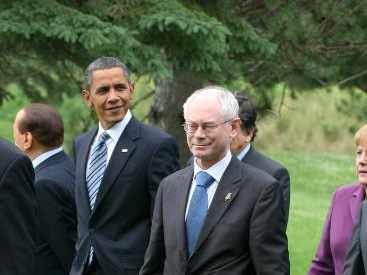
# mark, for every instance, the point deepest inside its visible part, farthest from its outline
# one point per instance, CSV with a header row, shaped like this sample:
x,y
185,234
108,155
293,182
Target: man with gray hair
x,y
119,165
219,215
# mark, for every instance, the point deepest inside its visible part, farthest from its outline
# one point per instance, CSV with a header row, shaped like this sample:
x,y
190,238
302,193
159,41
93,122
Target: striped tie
x,y
96,168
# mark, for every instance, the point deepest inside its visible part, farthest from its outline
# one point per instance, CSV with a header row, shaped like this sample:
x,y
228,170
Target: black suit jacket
x,y
244,231
54,184
17,212
119,225
356,258
275,169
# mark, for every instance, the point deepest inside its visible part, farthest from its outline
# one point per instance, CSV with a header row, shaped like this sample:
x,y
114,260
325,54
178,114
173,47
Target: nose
x,y
199,133
112,95
362,159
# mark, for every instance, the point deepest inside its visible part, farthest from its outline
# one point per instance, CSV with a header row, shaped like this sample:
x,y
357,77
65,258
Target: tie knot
x,y
203,179
103,138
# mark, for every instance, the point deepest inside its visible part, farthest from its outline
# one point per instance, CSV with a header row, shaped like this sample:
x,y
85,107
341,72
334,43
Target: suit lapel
x,y
226,192
122,152
182,193
355,204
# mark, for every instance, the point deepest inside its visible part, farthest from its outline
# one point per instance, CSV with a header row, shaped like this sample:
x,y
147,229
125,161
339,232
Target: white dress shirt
x,y
243,152
114,132
216,171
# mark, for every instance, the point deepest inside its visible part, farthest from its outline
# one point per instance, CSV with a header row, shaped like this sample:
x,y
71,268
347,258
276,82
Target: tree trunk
x,y
166,111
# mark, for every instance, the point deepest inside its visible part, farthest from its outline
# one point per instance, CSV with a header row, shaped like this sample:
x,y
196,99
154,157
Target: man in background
x,y
17,211
39,132
245,151
119,166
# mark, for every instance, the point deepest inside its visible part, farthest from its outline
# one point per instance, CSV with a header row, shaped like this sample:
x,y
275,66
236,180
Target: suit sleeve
x,y
283,176
354,261
268,241
18,218
155,254
165,161
58,220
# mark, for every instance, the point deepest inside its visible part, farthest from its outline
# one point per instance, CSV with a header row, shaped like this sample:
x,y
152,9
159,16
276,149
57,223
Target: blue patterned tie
x,y
197,209
96,168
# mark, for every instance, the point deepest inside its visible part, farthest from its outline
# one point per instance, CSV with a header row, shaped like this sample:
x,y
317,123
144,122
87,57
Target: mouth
x,y
114,109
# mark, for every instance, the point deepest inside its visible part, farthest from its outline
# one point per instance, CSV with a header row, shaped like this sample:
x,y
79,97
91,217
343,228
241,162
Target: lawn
x,y
314,177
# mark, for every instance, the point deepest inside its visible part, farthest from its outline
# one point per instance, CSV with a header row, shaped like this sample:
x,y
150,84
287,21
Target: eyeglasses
x,y
208,127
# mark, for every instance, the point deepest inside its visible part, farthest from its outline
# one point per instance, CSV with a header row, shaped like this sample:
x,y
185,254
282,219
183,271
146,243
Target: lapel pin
x,y
124,150
228,197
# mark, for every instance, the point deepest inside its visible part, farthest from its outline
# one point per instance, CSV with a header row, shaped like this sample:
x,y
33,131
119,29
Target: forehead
x,y
108,76
204,109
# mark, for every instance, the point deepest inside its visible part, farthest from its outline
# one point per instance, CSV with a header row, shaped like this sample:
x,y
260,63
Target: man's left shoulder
x,y
268,164
251,174
152,133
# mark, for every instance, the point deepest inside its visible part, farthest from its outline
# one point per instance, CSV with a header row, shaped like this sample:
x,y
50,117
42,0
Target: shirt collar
x,y
244,151
41,158
216,170
116,130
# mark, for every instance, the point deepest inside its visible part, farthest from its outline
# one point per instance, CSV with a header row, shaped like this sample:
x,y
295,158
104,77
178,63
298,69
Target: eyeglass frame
x,y
206,126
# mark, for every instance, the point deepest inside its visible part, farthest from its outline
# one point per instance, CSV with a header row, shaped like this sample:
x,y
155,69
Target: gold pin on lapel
x,y
228,197
124,150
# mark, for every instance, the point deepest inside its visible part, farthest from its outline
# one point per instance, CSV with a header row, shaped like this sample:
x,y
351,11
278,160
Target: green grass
x,y
314,177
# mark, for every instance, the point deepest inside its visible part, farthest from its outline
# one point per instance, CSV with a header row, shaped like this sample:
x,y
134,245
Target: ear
x,y
28,141
87,97
235,124
131,87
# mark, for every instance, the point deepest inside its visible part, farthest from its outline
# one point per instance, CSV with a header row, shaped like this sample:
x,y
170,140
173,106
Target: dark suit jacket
x,y
356,259
17,212
119,225
54,186
275,169
241,235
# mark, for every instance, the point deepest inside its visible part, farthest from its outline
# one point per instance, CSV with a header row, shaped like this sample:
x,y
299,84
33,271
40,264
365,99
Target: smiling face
x,y
361,163
209,145
109,95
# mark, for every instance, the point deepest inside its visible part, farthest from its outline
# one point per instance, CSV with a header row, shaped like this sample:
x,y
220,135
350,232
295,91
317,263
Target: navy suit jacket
x,y
54,184
119,225
17,211
274,169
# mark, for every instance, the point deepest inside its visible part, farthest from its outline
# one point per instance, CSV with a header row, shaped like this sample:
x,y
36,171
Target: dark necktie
x,y
198,209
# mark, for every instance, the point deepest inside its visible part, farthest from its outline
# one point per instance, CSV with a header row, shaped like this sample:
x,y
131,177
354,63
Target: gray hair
x,y
103,63
228,103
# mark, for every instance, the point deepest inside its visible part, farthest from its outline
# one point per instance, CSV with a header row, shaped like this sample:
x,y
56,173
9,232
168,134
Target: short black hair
x,y
104,63
247,112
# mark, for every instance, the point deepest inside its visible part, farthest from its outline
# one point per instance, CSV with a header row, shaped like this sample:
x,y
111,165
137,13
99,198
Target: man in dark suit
x,y
219,215
39,132
245,151
118,168
17,212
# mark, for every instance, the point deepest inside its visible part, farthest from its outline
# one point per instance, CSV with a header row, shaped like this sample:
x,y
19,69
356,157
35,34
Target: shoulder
x,y
82,137
59,169
265,163
347,190
151,132
10,155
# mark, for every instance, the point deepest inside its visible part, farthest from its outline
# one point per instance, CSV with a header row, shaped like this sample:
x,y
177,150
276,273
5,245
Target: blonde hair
x,y
361,135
